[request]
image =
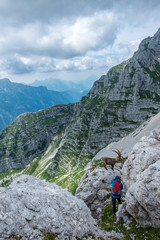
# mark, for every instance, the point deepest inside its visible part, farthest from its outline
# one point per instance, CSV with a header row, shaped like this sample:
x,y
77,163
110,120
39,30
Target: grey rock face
x,y
30,135
143,198
141,174
95,189
144,153
127,143
117,104
30,208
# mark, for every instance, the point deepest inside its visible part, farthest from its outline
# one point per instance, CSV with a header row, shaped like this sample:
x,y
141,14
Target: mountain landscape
x,y
16,99
115,106
60,85
59,143
74,90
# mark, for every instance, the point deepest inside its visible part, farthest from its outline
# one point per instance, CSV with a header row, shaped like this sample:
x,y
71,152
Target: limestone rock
x,y
141,174
30,135
127,143
144,153
116,105
95,189
143,197
30,208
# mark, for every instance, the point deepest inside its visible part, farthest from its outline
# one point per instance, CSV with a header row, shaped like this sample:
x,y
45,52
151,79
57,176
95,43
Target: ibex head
x,y
119,157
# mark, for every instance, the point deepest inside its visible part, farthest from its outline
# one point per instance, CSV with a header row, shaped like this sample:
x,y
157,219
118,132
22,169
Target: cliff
x,y
141,173
118,103
30,135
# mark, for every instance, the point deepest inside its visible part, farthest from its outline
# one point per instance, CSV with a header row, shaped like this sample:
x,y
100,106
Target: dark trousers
x,y
114,204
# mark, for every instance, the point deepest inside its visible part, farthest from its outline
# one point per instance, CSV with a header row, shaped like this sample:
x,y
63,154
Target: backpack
x,y
116,188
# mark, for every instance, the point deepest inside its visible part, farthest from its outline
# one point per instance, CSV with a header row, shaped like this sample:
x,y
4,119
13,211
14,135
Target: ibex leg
x,y
105,166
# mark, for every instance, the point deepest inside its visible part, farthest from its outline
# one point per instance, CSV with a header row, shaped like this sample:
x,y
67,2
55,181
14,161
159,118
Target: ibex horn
x,y
117,151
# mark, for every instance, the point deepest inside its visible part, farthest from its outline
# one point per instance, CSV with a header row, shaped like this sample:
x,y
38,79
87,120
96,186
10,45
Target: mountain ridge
x,y
62,85
18,98
116,105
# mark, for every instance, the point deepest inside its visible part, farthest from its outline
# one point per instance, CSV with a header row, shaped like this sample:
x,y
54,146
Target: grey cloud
x,y
38,28
61,41
16,66
30,10
39,10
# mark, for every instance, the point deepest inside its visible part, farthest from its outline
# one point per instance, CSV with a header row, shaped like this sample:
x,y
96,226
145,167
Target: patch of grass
x,y
49,236
71,181
73,188
7,176
68,176
116,70
154,73
9,173
32,168
46,176
149,94
108,223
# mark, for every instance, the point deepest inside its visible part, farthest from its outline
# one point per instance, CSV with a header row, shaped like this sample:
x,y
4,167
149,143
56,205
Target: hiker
x,y
117,186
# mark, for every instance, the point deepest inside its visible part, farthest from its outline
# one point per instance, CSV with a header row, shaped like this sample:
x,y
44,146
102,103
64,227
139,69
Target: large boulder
x,y
95,189
143,197
30,208
141,175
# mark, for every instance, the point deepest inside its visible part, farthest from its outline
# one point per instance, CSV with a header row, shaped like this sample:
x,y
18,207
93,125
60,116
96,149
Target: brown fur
x,y
112,161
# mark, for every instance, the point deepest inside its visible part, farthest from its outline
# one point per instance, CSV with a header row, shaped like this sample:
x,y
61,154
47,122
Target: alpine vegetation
x,y
117,104
64,144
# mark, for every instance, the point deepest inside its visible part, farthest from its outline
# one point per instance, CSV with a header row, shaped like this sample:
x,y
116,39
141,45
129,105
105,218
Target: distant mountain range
x,y
17,98
62,85
73,90
56,144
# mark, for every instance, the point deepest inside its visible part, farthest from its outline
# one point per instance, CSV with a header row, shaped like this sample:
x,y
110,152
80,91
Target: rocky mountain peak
x,y
4,81
155,41
117,104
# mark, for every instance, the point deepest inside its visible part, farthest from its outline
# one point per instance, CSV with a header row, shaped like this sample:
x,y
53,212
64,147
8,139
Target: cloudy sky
x,y
71,39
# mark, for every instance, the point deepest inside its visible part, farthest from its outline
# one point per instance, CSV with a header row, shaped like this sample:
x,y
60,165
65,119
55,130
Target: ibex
x,y
112,161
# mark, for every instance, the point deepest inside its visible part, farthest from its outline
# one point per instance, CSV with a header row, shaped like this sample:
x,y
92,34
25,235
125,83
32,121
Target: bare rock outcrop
x,y
95,189
141,174
29,208
144,153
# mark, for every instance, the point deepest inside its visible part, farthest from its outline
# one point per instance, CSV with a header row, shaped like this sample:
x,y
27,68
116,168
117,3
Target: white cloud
x,y
18,64
70,35
90,33
61,41
83,64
